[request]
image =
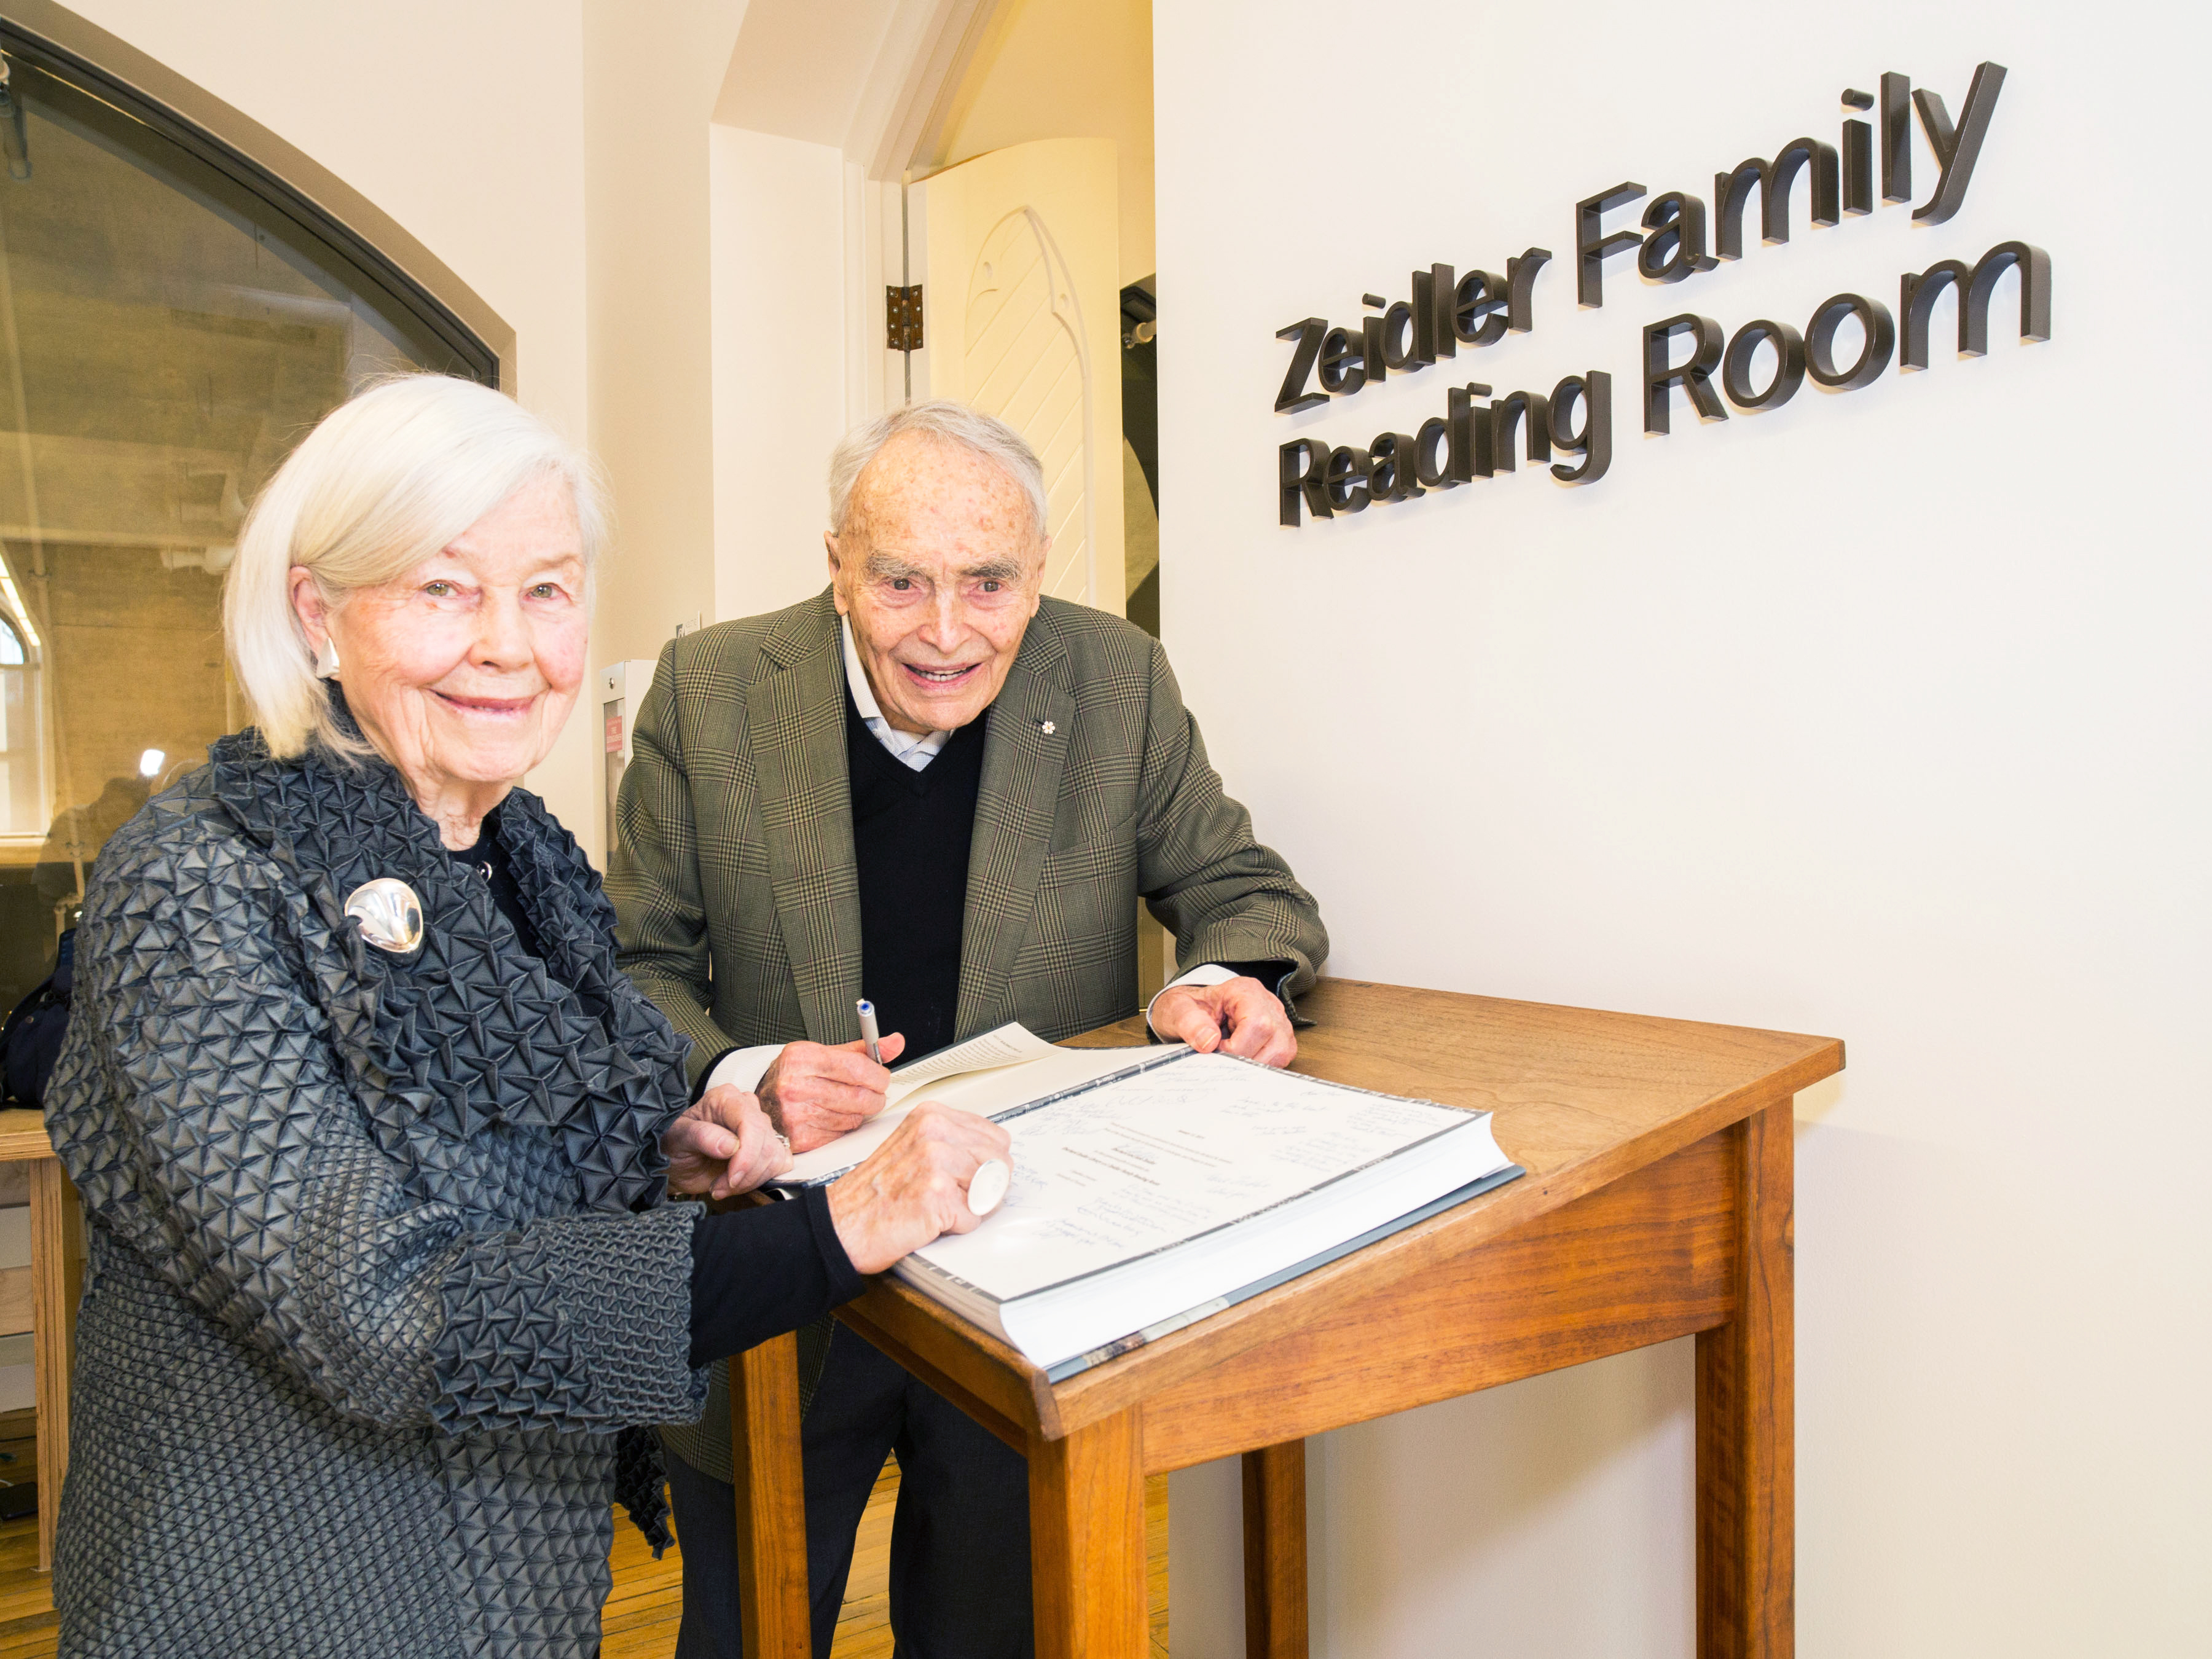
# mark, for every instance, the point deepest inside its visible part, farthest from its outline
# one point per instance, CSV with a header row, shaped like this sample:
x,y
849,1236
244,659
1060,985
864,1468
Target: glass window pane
x,y
166,336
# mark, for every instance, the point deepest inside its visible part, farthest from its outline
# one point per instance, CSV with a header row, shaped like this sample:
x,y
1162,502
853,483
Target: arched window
x,y
22,798
173,318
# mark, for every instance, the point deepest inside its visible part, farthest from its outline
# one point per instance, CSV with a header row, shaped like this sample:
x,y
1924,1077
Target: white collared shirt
x,y
903,746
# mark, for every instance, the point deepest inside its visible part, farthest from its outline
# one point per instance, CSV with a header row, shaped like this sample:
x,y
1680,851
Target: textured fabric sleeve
x,y
200,1108
573,1321
760,1272
1225,898
653,875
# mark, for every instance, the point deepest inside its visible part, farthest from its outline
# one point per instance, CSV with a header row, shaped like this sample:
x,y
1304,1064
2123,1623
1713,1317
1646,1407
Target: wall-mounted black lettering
x,y
1485,307
1433,448
1788,365
1345,479
1432,298
1343,365
1301,468
1858,157
1956,152
1520,288
1775,179
1896,119
1507,416
1444,311
1300,464
1761,368
1593,394
1371,344
1468,457
1879,336
1676,246
1404,348
1694,376
1479,303
1917,296
1294,396
1593,247
1390,473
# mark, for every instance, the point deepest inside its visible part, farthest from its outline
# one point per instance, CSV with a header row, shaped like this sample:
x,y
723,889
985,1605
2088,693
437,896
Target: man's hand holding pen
x,y
813,1092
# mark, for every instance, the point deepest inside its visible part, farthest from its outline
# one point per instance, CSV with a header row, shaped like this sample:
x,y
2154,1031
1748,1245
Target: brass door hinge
x,y
902,318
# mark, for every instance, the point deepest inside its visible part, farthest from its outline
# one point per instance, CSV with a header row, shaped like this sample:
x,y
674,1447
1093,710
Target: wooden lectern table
x,y
1656,1205
42,1299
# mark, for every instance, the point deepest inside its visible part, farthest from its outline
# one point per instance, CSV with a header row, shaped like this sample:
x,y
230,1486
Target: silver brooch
x,y
390,915
1047,727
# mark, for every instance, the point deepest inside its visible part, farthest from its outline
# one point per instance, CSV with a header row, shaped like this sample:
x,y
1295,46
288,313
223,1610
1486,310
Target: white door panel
x,y
1022,316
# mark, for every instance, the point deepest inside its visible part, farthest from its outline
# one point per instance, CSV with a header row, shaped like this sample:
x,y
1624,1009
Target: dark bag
x,y
31,1040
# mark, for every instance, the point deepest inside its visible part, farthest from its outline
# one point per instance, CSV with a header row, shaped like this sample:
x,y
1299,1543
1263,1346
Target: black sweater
x,y
911,832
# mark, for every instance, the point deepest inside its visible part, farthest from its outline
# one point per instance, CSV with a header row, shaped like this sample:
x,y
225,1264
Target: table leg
x,y
56,1251
1087,1541
1275,1552
771,1489
1746,1495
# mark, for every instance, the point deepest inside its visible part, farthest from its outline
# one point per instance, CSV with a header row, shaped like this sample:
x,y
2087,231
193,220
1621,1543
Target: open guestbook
x,y
1154,1186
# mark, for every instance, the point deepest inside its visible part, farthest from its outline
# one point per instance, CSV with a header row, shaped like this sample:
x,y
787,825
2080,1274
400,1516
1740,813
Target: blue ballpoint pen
x,y
868,1030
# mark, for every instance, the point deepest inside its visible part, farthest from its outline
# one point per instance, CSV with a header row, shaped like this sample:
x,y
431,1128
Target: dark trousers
x,y
960,1538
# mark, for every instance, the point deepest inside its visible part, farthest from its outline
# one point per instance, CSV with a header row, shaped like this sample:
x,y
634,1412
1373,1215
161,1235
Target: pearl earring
x,y
326,659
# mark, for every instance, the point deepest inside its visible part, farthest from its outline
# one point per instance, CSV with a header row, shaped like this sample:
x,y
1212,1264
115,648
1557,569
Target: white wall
x,y
779,302
815,114
653,70
1882,715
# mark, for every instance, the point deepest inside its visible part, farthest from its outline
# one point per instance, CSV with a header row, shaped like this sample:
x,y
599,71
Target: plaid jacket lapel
x,y
797,721
1032,722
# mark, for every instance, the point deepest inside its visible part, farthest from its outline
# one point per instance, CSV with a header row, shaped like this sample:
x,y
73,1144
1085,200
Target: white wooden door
x,y
1019,259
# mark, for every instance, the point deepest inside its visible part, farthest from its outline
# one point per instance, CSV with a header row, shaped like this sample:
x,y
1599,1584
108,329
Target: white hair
x,y
383,483
940,417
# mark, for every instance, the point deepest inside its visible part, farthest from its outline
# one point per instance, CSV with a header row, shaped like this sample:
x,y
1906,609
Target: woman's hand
x,y
723,1146
914,1186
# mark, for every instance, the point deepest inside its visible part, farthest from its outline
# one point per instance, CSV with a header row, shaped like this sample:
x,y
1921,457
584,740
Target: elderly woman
x,y
375,1139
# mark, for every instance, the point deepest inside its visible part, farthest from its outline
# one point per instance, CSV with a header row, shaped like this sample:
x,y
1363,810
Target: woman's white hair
x,y
985,435
383,483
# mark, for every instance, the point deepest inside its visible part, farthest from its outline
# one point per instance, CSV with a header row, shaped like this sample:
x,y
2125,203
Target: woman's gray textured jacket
x,y
381,1272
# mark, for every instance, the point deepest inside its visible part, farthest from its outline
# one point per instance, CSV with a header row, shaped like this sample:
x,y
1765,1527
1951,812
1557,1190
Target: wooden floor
x,y
27,1604
642,1612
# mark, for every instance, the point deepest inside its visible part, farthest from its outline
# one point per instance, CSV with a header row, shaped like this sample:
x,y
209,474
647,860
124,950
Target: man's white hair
x,y
940,417
384,482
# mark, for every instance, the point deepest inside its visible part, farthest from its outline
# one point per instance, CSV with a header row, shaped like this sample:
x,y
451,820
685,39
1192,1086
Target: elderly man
x,y
934,787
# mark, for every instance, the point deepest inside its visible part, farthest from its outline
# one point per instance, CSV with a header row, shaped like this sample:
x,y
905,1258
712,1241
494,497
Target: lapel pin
x,y
390,915
1047,727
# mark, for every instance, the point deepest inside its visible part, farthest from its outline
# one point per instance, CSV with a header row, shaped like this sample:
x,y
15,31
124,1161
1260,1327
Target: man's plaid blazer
x,y
738,903
736,895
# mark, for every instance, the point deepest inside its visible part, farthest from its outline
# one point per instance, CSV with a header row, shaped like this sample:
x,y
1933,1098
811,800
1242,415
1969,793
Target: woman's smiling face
x,y
462,671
